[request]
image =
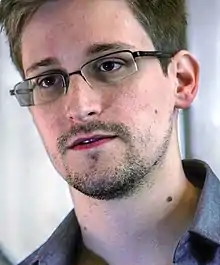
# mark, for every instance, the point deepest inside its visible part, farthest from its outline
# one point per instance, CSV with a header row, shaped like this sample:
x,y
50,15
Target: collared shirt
x,y
200,245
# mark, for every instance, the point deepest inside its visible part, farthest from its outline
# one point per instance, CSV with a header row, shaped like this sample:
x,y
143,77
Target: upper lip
x,y
80,140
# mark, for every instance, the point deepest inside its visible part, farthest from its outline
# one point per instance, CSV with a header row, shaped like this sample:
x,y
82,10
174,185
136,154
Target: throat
x,y
141,230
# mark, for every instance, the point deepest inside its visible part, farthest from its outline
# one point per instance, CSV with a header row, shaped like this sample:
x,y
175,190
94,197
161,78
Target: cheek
x,y
50,124
146,102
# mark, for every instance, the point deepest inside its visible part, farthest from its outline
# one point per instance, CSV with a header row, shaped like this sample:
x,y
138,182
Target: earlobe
x,y
187,74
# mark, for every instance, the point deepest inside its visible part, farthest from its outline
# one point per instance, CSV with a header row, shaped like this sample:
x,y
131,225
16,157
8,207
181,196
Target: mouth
x,y
90,142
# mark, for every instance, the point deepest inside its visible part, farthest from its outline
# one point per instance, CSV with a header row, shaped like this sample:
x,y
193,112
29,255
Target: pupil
x,y
49,81
108,66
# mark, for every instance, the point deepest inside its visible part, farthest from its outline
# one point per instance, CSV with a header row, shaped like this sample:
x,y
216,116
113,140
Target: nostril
x,y
91,113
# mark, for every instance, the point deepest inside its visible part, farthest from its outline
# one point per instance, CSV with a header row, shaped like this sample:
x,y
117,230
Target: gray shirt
x,y
200,245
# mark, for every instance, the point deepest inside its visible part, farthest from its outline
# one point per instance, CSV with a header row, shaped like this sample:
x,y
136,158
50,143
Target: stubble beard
x,y
124,180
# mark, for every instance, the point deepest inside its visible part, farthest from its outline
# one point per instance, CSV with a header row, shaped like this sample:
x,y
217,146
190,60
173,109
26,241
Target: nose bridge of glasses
x,y
75,79
78,75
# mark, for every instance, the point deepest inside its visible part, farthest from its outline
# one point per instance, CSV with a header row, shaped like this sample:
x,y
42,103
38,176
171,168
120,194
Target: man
x,y
104,81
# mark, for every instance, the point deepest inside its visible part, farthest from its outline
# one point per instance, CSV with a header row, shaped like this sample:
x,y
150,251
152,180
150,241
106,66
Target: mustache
x,y
118,129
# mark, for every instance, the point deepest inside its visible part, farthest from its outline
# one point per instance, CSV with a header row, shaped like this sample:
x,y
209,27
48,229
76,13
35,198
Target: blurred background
x,y
34,199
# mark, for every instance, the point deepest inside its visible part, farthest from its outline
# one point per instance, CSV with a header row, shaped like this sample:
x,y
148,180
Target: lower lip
x,y
92,145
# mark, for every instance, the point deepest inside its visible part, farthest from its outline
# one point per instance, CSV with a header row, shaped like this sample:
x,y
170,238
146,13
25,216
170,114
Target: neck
x,y
143,229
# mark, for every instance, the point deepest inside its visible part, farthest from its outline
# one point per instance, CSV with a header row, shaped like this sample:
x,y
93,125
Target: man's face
x,y
138,110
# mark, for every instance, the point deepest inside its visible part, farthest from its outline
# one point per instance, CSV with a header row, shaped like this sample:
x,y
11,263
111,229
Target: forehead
x,y
65,29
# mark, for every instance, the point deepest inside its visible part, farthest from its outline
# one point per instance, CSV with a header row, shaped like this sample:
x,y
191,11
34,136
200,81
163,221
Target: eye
x,y
109,66
50,81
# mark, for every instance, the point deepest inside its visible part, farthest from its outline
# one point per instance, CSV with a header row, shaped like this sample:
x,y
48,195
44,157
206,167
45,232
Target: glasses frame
x,y
66,76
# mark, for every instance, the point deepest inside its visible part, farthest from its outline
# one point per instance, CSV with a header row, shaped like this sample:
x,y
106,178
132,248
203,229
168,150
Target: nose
x,y
82,102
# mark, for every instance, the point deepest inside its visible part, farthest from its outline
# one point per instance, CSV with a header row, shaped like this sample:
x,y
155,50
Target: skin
x,y
118,221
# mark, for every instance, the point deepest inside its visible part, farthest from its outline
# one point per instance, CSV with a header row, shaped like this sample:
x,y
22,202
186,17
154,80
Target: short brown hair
x,y
164,20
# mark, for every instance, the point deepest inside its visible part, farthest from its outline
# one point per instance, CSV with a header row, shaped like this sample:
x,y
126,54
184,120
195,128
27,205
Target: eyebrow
x,y
92,50
45,62
103,47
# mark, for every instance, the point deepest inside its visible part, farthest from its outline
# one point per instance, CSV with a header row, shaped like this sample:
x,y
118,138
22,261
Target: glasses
x,y
103,71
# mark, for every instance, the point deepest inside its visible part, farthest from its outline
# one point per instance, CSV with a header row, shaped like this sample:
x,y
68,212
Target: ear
x,y
186,76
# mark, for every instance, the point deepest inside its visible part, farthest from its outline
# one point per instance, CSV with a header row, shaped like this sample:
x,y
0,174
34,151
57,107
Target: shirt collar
x,y
207,217
61,247
204,233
